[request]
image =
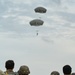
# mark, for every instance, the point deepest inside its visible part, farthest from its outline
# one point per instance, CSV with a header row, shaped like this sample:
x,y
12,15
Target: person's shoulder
x,y
16,73
1,72
10,73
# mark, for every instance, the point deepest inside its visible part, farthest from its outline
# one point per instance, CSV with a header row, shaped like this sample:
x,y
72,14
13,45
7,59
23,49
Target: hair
x,y
9,64
67,69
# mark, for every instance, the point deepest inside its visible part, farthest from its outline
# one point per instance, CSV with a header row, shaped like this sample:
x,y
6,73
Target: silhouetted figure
x,y
67,70
9,65
37,33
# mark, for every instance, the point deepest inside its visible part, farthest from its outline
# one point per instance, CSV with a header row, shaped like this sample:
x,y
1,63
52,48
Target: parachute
x,y
40,10
36,22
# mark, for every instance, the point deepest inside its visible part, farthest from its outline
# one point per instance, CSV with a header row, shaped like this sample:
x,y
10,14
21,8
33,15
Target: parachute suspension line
x,y
40,18
36,32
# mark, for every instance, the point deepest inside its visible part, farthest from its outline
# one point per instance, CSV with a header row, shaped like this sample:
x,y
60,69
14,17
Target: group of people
x,y
24,70
9,65
67,70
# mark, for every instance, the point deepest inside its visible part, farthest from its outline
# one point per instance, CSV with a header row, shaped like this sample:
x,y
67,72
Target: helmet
x,y
55,73
24,70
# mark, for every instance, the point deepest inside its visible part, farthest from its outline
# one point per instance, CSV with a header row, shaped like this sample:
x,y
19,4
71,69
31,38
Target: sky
x,y
54,46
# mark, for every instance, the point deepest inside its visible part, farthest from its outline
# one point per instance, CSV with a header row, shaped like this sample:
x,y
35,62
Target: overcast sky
x,y
54,46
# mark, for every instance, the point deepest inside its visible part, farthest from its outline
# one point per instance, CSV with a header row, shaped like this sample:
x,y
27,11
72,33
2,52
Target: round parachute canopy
x,y
40,10
36,22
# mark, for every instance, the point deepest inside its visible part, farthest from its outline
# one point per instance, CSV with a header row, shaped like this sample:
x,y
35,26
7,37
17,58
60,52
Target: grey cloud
x,y
58,2
10,5
69,25
47,39
22,9
52,3
67,16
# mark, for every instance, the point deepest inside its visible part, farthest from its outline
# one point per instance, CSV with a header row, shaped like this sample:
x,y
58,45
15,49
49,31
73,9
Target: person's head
x,y
55,73
23,70
9,64
67,69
